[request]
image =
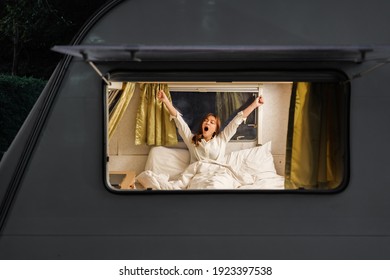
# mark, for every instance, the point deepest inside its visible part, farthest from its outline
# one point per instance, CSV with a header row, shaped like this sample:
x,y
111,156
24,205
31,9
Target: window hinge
x,y
360,74
94,67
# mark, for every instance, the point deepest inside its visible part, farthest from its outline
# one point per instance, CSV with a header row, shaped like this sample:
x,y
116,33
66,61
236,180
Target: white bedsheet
x,y
246,169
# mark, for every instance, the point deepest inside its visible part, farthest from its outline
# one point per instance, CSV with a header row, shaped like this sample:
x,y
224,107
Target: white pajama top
x,y
208,150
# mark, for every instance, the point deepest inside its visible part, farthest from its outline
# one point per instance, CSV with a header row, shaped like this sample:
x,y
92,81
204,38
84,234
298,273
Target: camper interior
x,y
299,129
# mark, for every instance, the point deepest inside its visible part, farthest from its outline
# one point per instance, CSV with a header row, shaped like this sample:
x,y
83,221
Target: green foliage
x,y
17,96
29,28
29,22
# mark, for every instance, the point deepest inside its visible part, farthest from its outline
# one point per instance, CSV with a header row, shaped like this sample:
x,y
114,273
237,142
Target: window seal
x,y
263,76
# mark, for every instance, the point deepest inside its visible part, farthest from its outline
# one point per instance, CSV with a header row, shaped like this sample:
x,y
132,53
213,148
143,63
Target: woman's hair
x,y
199,135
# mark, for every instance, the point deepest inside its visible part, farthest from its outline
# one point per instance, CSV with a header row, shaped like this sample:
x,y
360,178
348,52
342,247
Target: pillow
x,y
168,161
257,161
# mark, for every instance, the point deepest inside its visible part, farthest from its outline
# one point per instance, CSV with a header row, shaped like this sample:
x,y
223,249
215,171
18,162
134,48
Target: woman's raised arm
x,y
231,128
164,99
256,103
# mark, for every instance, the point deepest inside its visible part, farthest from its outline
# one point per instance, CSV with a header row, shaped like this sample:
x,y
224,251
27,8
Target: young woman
x,y
209,142
207,150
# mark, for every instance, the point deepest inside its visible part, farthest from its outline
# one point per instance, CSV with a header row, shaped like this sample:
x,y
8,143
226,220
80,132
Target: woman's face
x,y
209,127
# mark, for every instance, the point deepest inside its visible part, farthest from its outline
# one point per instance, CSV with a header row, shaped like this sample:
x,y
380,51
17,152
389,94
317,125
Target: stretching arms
x,y
172,110
255,104
164,99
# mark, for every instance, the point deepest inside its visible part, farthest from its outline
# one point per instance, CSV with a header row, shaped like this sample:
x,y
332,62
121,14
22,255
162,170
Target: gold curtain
x,y
153,124
316,136
117,112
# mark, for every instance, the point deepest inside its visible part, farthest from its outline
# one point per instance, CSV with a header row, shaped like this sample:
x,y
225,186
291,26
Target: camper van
x,y
297,169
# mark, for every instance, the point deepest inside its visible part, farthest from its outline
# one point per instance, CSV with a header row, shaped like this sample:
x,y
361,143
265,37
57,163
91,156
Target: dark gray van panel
x,y
54,202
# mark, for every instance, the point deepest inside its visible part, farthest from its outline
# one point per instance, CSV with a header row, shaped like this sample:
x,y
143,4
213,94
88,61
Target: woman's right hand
x,y
164,99
162,96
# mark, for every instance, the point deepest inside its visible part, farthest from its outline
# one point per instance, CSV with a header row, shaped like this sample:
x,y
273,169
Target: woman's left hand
x,y
259,101
255,104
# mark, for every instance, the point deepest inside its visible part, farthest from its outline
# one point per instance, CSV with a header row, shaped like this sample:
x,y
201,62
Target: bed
x,y
170,169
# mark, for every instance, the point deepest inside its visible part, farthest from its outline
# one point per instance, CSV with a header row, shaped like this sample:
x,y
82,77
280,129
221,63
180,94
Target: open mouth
x,y
206,128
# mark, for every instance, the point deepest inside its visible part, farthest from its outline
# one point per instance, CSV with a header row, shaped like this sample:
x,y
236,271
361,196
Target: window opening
x,y
290,133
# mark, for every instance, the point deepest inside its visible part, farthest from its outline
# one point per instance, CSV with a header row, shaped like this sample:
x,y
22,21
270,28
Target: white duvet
x,y
168,169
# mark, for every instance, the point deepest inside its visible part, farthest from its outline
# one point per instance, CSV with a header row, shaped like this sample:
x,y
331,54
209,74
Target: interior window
x,y
296,141
196,104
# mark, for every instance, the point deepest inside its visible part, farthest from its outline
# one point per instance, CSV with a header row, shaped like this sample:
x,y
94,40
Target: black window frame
x,y
333,76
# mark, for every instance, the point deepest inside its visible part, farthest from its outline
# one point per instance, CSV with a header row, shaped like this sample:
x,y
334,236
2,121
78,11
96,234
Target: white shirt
x,y
206,150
